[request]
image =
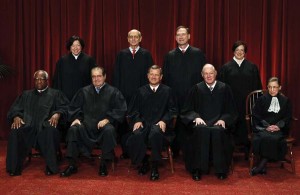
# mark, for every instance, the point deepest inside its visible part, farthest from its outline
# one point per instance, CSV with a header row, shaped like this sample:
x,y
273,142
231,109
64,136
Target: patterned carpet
x,y
126,181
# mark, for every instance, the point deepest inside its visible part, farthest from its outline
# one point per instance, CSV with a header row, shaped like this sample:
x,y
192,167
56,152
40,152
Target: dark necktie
x,y
133,53
153,89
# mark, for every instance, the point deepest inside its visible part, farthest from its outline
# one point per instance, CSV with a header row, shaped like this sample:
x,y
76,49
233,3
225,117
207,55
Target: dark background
x,y
33,35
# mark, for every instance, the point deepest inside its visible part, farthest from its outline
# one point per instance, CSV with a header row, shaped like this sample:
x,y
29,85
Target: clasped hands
x,y
273,128
162,125
200,121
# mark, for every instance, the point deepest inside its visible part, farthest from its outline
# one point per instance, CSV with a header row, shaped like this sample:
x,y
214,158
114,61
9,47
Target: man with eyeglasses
x,y
34,117
130,73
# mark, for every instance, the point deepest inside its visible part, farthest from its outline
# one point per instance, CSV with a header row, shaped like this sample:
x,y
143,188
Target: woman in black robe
x,y
271,117
243,77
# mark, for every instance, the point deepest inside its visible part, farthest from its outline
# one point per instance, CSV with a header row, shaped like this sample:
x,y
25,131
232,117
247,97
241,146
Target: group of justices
x,y
208,110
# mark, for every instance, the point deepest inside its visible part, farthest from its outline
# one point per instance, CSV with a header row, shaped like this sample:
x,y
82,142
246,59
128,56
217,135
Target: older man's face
x,y
209,75
40,81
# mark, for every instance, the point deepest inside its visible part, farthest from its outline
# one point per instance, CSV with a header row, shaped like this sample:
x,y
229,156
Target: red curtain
x,y
33,35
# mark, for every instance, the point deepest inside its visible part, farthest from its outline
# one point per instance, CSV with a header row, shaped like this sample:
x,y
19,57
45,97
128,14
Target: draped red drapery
x,y
33,35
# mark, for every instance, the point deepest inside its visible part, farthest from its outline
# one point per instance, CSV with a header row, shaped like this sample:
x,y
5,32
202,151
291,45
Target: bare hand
x,y
18,122
137,125
162,125
54,119
102,123
273,128
75,122
220,123
199,121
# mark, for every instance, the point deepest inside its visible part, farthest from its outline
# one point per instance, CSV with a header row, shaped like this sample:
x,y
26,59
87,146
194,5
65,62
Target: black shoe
x,y
17,173
154,174
222,176
103,170
144,169
48,171
254,171
124,156
69,171
263,171
196,175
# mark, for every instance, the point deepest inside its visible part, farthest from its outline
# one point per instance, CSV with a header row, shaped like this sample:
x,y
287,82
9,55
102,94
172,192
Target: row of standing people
x,y
130,70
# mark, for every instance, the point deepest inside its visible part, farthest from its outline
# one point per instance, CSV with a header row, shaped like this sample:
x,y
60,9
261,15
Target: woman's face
x,y
273,88
239,52
76,48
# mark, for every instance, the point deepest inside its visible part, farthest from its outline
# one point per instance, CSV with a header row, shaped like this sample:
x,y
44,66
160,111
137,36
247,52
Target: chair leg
x,y
251,160
171,159
292,160
113,165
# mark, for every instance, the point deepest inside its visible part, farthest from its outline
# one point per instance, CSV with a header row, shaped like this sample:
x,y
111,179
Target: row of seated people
x,y
209,113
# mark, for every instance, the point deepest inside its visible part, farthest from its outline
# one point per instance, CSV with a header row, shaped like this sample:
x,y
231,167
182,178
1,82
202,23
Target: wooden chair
x,y
250,102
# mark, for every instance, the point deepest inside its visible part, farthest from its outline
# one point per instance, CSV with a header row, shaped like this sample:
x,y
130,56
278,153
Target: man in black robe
x,y
181,71
243,77
150,111
210,113
130,73
34,117
94,111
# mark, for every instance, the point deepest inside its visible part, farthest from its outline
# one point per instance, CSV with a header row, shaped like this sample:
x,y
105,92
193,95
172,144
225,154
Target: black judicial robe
x,y
271,145
149,108
211,107
71,74
182,71
35,109
129,73
90,108
242,80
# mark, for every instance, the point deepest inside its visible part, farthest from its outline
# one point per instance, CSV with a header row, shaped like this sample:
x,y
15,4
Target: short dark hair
x,y
186,28
238,43
99,68
155,67
71,40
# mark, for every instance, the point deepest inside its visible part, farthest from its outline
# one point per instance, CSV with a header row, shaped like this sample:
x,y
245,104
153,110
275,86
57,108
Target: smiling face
x,y
154,76
239,52
98,78
182,37
134,38
209,74
76,48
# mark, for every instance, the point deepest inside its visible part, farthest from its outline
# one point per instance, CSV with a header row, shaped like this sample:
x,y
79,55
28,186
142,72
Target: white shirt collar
x,y
184,48
239,62
213,85
152,87
136,49
40,91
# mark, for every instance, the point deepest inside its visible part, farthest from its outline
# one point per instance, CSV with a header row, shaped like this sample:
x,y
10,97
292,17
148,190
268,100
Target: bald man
x,y
209,113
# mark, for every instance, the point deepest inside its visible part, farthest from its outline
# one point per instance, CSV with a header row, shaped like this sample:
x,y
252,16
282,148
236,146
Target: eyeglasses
x,y
273,87
40,79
